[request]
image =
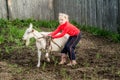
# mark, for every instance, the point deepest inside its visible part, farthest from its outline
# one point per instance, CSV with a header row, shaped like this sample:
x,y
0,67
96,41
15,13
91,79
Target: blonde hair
x,y
65,16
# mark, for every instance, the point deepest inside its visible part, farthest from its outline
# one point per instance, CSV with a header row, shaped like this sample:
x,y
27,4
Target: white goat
x,y
41,42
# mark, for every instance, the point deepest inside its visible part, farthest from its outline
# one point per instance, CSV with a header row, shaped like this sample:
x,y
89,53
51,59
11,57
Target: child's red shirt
x,y
66,28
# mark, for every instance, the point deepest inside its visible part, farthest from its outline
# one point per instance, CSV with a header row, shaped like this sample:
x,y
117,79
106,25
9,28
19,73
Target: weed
x,y
44,66
63,73
3,23
15,69
2,39
86,64
55,60
118,72
7,50
98,56
18,42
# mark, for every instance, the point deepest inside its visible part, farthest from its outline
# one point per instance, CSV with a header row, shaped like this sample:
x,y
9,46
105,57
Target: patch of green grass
x,y
9,49
64,74
18,42
2,39
24,23
98,56
52,25
3,23
14,31
86,64
44,66
118,72
55,60
15,69
98,32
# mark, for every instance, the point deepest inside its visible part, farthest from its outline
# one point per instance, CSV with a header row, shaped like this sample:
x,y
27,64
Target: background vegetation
x,y
12,31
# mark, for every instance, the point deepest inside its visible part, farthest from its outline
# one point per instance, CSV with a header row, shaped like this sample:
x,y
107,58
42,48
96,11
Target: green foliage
x,y
44,66
48,24
2,39
3,23
25,23
15,68
13,30
98,56
8,49
13,33
100,32
64,74
55,60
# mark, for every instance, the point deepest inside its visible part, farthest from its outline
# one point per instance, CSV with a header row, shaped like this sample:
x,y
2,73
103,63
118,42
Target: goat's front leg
x,y
47,48
47,56
39,57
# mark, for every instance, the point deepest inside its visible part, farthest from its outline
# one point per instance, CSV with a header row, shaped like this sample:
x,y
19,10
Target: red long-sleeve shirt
x,y
66,28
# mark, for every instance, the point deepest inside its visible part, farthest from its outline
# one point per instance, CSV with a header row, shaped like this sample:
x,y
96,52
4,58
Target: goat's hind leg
x,y
39,58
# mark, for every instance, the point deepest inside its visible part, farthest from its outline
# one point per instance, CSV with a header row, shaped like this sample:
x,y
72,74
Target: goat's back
x,y
57,43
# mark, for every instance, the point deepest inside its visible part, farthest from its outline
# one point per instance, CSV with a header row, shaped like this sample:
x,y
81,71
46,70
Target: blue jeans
x,y
70,46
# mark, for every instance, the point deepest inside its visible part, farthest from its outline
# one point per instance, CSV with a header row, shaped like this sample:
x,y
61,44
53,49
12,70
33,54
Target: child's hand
x,y
50,34
50,37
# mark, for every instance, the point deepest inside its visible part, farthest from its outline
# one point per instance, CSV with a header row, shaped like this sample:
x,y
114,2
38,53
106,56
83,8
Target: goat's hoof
x,y
46,55
38,65
48,59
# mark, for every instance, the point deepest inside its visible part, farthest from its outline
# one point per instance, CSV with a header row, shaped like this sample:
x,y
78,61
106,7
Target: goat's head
x,y
28,34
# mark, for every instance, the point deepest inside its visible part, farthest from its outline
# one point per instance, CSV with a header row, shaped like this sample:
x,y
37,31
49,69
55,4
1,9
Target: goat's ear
x,y
30,26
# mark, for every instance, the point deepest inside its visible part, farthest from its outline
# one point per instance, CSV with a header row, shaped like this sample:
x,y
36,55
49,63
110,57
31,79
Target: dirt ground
x,y
98,59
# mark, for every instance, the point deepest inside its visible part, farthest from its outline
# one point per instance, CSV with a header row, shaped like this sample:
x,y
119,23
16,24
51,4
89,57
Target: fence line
x,y
22,9
104,14
100,13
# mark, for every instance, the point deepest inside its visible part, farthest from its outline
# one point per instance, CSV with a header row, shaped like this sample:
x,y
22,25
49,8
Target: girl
x,y
66,27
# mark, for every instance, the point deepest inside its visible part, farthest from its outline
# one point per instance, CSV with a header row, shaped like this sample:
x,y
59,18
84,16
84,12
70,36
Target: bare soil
x,y
98,59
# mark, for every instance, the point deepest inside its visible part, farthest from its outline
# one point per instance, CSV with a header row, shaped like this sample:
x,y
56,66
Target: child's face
x,y
62,20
